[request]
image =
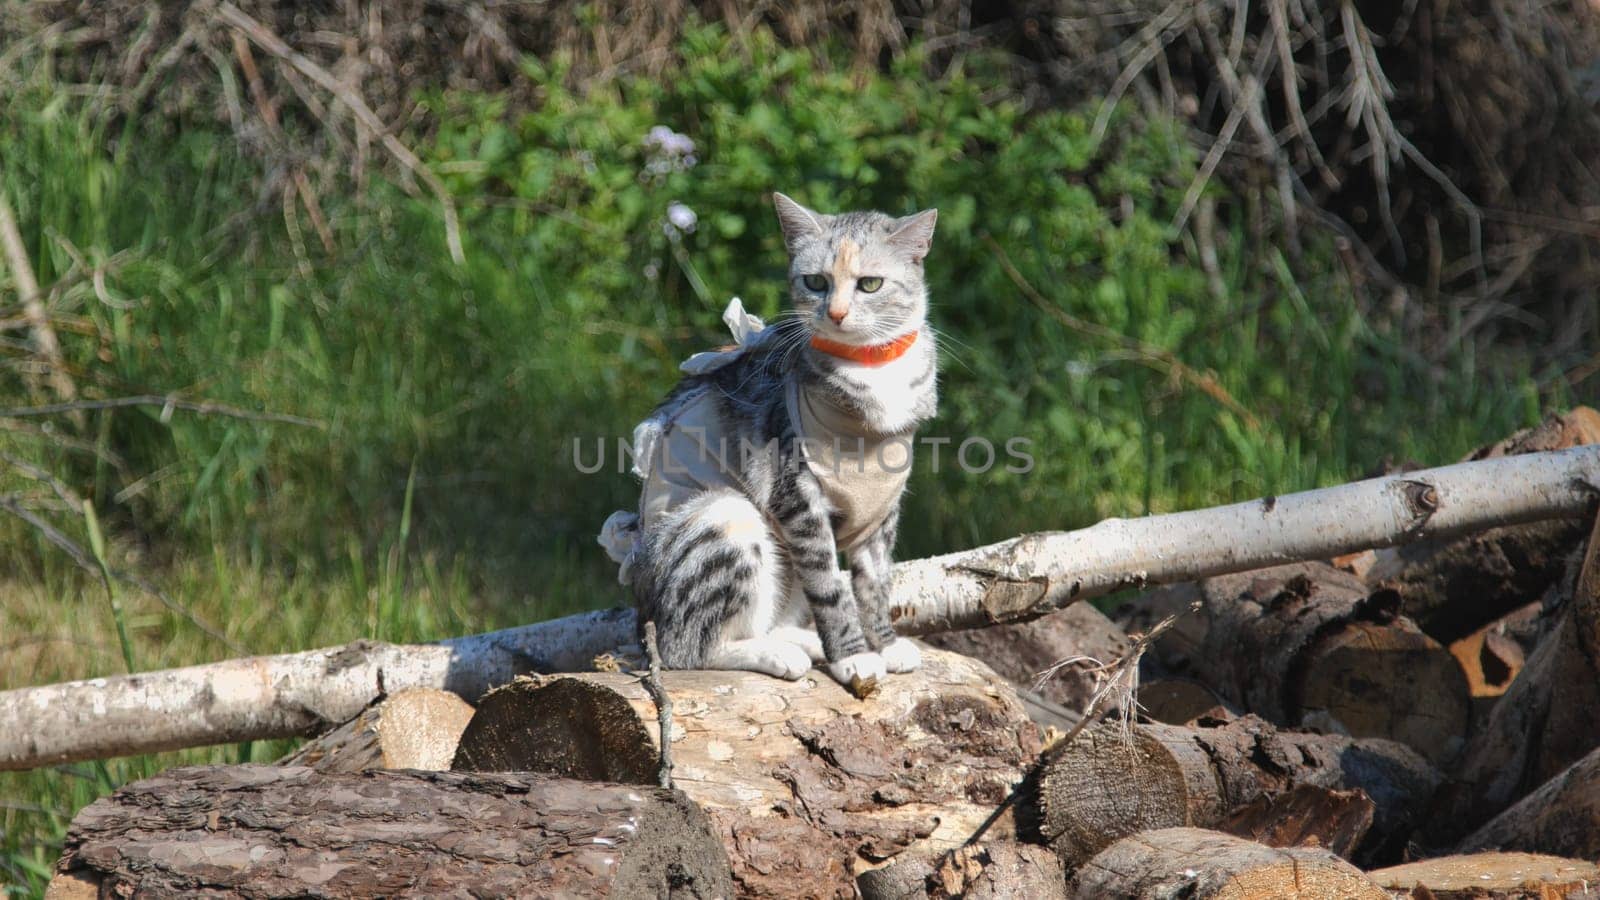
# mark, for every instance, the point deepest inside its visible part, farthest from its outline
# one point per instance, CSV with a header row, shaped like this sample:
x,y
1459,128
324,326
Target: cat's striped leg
x,y
802,514
712,584
871,569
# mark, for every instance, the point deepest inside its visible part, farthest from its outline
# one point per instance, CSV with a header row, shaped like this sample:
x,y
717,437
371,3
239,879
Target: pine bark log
x,y
1209,865
1502,876
1106,784
1309,645
1545,722
255,831
414,729
995,871
1562,817
807,785
1453,587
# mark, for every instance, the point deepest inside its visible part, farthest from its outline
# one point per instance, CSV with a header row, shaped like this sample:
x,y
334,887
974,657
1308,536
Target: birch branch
x,y
1029,576
1015,580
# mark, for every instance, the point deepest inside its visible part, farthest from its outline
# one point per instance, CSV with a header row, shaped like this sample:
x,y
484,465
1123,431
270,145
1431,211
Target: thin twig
x,y
167,404
267,40
663,702
44,335
11,503
1155,357
1120,676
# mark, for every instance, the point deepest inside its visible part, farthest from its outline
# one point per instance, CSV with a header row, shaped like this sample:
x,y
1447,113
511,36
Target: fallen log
x,y
1308,645
1210,865
1545,721
1562,817
414,729
1108,784
292,831
1022,652
1015,580
1504,876
997,871
1180,701
1453,587
1305,815
807,785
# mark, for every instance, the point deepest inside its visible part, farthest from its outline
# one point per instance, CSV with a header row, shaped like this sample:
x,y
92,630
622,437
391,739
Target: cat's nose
x,y
837,315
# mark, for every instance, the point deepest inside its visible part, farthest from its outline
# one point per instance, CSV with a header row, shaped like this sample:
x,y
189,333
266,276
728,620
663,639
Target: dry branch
x,y
44,334
258,831
1012,581
264,38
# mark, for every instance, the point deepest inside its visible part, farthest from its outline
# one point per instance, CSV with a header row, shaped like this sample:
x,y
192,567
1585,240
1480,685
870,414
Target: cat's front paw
x,y
901,656
857,668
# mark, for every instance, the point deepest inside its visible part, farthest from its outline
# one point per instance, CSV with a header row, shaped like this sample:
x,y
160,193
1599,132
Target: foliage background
x,y
436,494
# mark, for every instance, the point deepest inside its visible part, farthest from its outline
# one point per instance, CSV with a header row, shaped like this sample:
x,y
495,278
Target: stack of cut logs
x,y
1421,722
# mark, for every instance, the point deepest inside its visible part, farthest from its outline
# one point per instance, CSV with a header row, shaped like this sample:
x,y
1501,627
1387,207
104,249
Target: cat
x,y
770,460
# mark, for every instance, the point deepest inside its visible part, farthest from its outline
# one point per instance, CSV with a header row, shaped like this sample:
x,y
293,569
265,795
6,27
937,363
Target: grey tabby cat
x,y
760,471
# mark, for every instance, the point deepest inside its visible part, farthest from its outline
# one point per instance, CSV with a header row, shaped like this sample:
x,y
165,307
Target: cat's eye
x,y
870,285
818,283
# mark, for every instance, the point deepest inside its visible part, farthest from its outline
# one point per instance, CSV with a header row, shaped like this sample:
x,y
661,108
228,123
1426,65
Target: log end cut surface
x,y
293,831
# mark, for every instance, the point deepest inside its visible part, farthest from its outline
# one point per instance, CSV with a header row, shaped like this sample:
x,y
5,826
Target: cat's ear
x,y
914,234
798,223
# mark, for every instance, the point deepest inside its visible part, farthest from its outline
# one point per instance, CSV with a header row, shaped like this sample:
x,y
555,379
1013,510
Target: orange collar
x,y
875,355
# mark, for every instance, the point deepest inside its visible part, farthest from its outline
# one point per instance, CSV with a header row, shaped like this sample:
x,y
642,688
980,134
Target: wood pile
x,y
1419,722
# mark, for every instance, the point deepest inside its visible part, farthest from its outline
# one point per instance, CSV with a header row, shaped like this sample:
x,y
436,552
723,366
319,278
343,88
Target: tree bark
x,y
1210,865
1561,817
1305,815
998,871
1307,645
1022,652
1012,581
806,784
1106,785
1504,876
1546,720
1180,701
253,831
1453,587
414,729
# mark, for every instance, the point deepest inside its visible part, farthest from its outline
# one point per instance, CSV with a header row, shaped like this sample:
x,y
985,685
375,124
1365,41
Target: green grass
x,y
439,498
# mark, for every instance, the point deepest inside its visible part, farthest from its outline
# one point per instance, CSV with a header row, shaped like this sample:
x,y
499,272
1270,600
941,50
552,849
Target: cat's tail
x,y
620,536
